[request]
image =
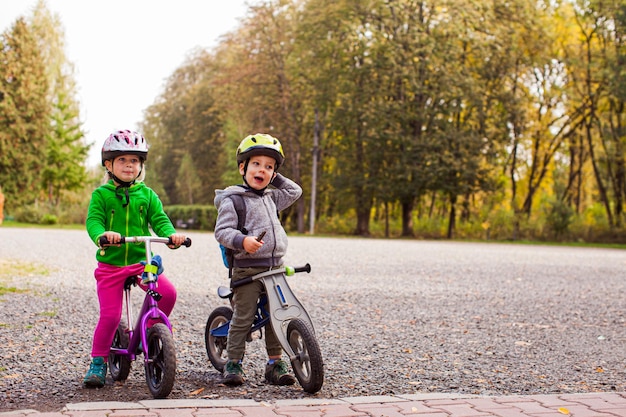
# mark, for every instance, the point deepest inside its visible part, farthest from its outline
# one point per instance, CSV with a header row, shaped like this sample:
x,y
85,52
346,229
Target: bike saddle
x,y
130,281
224,292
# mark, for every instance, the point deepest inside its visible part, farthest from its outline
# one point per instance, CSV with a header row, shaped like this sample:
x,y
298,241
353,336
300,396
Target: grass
x,y
10,269
375,230
13,223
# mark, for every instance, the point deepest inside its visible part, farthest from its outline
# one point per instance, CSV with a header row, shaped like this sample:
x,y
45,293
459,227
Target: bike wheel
x,y
119,365
216,345
308,364
161,361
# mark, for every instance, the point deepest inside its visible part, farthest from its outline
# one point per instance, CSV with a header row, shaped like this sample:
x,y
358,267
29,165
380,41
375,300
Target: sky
x,y
123,51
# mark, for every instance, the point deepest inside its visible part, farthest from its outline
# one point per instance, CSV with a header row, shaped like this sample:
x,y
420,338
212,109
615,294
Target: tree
x,y
67,152
24,115
185,123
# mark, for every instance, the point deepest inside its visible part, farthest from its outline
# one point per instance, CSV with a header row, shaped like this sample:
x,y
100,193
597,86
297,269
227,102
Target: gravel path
x,y
392,317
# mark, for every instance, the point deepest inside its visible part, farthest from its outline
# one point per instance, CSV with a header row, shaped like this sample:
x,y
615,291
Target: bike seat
x,y
130,281
224,292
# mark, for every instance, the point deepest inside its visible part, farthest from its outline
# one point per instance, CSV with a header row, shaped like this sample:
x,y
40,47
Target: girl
x,y
124,205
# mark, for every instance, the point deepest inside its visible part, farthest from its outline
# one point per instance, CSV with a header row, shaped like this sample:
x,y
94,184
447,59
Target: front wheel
x,y
216,344
308,364
160,361
119,365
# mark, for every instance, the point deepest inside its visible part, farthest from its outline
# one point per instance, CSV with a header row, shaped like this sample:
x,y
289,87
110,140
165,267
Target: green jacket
x,y
107,213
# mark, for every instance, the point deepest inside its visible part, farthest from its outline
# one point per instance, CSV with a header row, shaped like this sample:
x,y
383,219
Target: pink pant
x,y
110,287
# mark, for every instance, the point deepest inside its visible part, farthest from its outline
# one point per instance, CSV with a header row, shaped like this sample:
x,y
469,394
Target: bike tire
x,y
119,365
216,346
308,365
160,365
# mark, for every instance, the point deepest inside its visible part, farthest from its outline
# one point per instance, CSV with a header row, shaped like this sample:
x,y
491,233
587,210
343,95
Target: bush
x,y
192,217
29,214
49,219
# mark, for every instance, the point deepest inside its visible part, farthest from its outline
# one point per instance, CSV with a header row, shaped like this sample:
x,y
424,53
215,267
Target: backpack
x,y
228,255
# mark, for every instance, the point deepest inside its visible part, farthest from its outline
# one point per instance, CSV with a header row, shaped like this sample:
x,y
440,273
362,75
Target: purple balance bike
x,y
155,341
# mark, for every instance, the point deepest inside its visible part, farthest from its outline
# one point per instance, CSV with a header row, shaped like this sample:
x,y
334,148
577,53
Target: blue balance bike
x,y
279,308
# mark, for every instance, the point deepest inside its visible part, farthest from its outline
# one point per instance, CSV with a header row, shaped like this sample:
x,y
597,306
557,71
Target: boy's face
x,y
260,171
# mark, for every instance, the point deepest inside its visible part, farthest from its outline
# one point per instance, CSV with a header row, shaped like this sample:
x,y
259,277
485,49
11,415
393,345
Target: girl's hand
x,y
251,244
113,237
177,240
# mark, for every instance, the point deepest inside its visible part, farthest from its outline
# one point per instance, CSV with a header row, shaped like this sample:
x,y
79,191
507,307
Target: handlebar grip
x,y
306,268
186,243
104,241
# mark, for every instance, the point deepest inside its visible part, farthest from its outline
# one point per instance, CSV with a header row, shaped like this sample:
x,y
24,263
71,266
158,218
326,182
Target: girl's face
x,y
125,167
260,171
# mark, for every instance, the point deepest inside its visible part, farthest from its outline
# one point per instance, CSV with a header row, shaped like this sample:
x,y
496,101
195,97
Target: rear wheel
x,y
119,365
160,361
308,364
216,345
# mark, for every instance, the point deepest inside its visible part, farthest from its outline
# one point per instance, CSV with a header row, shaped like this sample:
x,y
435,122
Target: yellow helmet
x,y
260,144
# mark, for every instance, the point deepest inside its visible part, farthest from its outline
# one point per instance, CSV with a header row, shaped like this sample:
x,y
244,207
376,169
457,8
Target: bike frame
x,y
278,305
149,310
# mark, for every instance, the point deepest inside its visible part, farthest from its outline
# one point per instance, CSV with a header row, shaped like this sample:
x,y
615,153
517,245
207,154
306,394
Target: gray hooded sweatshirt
x,y
261,216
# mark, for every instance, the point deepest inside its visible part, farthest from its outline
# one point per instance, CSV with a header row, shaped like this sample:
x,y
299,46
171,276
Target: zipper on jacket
x,y
126,247
111,220
141,216
273,230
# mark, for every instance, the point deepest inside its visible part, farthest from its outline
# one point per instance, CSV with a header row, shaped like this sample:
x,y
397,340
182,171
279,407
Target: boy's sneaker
x,y
277,374
233,374
96,375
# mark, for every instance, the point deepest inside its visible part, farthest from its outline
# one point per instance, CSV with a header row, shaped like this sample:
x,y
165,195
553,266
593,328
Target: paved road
x,y
421,405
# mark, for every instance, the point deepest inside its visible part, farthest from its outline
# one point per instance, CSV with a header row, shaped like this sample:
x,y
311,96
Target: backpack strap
x,y
240,208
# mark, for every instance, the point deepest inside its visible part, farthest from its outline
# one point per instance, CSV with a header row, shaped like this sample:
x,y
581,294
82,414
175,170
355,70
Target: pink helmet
x,y
124,142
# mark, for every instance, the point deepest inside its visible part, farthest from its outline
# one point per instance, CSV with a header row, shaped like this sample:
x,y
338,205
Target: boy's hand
x,y
178,239
251,244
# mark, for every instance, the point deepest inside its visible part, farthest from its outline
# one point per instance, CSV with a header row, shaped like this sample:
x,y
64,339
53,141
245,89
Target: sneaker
x,y
96,375
233,374
277,374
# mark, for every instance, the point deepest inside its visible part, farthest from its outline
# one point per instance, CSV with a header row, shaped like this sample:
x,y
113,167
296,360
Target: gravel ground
x,y
391,316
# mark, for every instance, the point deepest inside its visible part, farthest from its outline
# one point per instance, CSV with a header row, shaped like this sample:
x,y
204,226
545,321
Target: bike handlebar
x,y
287,270
103,241
306,268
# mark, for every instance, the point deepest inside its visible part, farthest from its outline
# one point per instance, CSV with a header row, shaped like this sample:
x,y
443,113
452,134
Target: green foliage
x,y
183,130
340,225
559,217
42,153
193,217
49,219
25,114
46,214
488,121
29,214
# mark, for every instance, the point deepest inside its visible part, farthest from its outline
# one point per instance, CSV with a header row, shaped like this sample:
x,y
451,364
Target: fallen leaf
x,y
564,410
196,392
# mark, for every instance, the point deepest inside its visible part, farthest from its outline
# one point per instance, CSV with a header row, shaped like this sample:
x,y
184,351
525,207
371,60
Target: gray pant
x,y
245,301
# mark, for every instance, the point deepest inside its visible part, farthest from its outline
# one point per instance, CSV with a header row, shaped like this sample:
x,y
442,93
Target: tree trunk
x,y
407,218
452,217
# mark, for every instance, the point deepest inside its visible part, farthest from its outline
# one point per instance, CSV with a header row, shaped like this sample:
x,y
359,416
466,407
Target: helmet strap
x,y
126,196
123,185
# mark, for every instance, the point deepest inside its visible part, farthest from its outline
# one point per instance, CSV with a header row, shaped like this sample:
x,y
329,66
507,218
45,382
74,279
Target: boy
x,y
258,158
